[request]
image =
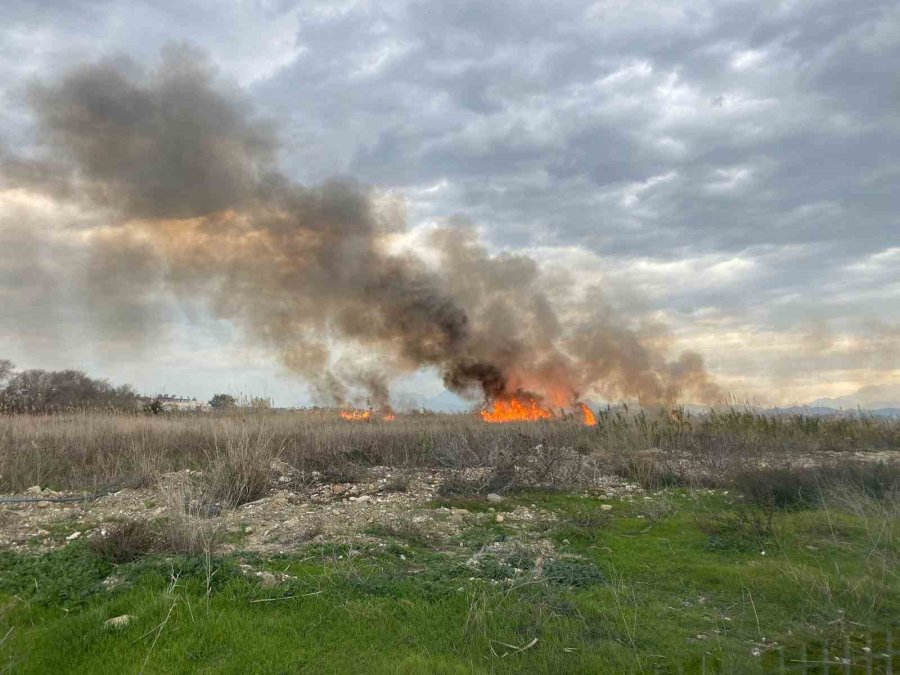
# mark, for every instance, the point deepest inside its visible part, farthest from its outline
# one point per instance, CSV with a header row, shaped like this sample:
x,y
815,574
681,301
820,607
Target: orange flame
x,y
515,410
356,415
389,417
587,415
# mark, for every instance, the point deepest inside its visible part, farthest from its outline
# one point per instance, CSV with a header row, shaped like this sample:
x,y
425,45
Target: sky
x,y
726,170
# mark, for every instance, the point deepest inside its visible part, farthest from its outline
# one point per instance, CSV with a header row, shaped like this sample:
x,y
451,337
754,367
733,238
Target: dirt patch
x,y
299,508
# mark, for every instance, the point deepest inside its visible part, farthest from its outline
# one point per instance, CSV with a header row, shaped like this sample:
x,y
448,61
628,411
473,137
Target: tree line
x,y
37,390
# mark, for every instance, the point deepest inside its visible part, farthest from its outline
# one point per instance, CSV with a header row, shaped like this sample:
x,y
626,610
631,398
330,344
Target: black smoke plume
x,y
195,203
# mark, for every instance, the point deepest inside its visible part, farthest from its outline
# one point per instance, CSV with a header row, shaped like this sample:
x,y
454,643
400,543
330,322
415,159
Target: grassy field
x,y
87,450
721,564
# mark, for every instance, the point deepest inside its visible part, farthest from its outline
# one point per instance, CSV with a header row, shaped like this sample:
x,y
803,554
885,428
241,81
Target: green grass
x,y
650,586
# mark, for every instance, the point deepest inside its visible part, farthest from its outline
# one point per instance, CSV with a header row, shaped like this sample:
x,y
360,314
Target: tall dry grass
x,y
93,451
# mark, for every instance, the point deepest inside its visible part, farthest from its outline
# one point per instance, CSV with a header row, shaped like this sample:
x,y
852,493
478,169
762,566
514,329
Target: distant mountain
x,y
871,399
824,411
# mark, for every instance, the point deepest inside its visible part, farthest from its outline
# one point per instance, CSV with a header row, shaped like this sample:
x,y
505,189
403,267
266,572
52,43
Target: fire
x,y
529,409
366,415
516,410
587,415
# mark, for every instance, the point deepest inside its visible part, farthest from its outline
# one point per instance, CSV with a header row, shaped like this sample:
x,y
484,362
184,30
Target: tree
x,y
155,407
47,390
222,401
6,369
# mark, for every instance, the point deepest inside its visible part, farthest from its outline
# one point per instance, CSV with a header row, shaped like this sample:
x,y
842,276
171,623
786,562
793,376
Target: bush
x,y
806,487
573,573
501,479
240,468
125,542
651,471
782,488
589,517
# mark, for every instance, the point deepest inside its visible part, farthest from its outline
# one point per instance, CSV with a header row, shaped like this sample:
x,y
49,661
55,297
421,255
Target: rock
x,y
267,580
499,518
119,621
364,498
284,479
44,505
494,498
73,536
606,507
33,490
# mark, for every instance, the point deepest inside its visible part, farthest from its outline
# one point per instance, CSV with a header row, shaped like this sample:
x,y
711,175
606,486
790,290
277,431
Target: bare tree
x,y
43,390
6,369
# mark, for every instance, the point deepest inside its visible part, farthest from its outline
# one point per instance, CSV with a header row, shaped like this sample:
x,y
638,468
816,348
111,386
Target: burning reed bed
x,y
93,451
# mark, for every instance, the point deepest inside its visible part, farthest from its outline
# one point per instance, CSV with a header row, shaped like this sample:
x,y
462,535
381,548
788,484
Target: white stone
x,y
119,621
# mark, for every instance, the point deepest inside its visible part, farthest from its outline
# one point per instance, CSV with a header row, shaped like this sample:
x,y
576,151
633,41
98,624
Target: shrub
x,y
782,488
501,479
188,529
342,471
651,471
573,573
589,517
125,542
240,467
806,487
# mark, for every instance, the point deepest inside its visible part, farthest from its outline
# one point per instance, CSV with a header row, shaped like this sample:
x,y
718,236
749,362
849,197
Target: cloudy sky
x,y
727,169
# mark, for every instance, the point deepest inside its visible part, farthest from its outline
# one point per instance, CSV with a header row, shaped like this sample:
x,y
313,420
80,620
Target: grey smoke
x,y
198,206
